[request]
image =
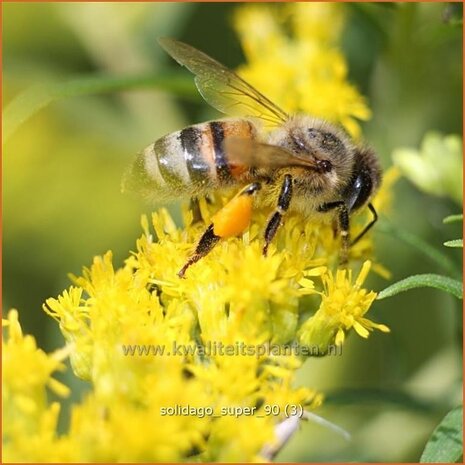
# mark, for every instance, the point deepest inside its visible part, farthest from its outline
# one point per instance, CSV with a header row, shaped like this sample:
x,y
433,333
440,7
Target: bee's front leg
x,y
274,222
368,226
343,220
230,221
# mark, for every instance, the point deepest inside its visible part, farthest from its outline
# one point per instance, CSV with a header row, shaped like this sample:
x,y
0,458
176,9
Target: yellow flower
x,y
311,23
29,421
343,307
304,72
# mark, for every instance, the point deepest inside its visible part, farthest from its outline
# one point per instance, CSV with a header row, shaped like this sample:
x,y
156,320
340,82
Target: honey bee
x,y
303,164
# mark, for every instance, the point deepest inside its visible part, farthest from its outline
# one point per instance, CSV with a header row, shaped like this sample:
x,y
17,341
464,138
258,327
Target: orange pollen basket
x,y
234,217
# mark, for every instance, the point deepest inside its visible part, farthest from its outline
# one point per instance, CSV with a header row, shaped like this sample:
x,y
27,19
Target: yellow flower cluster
x,y
149,342
29,421
293,58
202,368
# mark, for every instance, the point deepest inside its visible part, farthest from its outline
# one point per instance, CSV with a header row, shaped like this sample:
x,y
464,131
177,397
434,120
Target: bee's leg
x,y
368,226
274,222
230,221
208,240
195,209
343,219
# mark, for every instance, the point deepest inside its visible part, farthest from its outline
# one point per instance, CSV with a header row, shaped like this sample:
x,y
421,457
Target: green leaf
x,y
445,444
454,243
444,283
452,218
416,242
33,99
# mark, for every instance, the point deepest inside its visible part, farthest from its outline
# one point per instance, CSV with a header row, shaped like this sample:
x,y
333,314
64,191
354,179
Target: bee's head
x,y
329,147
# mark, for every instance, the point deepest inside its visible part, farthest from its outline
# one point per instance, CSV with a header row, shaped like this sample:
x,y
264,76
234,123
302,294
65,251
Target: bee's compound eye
x,y
325,166
330,140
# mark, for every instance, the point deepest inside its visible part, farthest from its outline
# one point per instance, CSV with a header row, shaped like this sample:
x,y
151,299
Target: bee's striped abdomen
x,y
192,160
193,141
203,150
217,129
203,146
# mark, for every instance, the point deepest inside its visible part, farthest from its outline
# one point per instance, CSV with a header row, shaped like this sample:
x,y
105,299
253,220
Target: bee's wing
x,y
253,154
222,88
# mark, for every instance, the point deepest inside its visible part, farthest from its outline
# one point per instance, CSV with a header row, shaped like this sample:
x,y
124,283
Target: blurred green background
x,y
62,202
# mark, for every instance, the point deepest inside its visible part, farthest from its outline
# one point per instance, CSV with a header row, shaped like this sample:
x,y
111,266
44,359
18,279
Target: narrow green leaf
x,y
33,99
445,444
444,283
452,218
454,243
417,243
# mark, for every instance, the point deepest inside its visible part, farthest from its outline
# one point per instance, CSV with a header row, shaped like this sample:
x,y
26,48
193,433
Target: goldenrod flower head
x,y
343,307
304,71
322,22
29,422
